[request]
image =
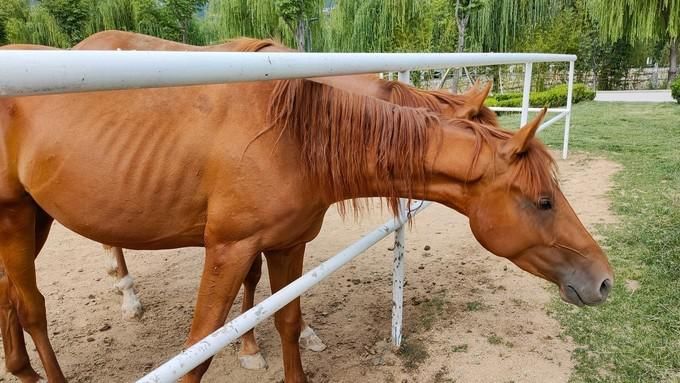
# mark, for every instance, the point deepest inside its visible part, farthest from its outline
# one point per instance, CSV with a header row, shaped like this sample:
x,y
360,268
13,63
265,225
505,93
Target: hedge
x,y
553,97
675,89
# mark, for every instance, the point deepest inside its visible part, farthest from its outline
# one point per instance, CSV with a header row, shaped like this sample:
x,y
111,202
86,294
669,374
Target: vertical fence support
x,y
398,266
567,118
526,94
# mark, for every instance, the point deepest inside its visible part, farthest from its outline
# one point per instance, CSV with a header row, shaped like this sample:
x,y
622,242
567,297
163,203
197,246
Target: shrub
x,y
553,97
675,89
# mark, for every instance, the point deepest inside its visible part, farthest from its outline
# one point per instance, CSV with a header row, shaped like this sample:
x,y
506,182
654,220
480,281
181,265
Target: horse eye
x,y
544,203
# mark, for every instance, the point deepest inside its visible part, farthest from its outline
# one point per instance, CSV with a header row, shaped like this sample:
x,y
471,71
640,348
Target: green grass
x,y
634,337
413,353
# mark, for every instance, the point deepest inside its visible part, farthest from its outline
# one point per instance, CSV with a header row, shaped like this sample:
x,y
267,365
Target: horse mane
x,y
407,95
342,135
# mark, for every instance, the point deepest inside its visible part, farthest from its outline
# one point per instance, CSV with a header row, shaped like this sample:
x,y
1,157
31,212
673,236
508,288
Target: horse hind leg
x,y
309,340
284,267
249,355
19,244
131,307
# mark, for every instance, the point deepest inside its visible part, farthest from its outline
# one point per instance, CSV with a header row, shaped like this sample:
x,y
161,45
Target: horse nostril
x,y
605,287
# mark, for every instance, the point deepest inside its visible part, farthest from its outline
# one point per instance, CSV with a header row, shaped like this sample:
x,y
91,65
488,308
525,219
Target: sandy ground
x,y
469,316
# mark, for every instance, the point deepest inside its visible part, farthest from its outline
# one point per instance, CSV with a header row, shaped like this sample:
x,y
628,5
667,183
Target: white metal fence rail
x,y
25,73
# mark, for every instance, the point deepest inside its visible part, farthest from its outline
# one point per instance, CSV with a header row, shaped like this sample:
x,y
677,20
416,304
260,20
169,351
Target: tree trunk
x,y
673,69
301,34
462,24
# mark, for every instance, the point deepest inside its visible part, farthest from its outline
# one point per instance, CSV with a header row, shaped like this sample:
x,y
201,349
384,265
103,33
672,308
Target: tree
x,y
641,21
462,12
70,15
180,14
294,22
380,26
32,25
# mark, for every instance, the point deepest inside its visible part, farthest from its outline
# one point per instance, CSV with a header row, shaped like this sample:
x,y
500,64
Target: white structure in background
x,y
24,73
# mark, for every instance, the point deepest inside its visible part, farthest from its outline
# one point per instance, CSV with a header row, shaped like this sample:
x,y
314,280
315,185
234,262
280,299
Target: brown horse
x,y
469,105
206,166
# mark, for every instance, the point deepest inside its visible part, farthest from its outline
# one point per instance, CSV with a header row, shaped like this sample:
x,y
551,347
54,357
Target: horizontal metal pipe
x,y
181,364
552,121
24,73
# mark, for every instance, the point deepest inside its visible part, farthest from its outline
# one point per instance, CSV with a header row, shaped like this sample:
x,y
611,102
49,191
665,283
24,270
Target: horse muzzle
x,y
586,294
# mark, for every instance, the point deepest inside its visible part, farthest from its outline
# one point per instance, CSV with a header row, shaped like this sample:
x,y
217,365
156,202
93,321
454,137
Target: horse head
x,y
517,211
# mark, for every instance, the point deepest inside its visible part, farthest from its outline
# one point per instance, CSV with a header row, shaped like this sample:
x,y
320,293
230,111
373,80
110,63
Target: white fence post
x,y
398,266
398,272
526,94
567,118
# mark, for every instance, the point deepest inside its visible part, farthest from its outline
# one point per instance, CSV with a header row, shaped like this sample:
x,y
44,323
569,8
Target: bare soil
x,y
469,316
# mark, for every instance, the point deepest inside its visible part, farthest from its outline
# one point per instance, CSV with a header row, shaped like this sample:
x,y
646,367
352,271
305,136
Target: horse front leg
x,y
284,267
225,269
17,361
131,307
19,244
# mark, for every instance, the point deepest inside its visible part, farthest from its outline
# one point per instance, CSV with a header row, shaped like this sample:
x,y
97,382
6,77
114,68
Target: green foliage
x,y
444,30
380,26
499,24
278,20
641,20
70,15
10,9
675,89
35,25
553,97
177,16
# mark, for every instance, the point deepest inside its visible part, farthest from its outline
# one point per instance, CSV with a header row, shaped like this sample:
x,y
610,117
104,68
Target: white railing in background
x,y
25,73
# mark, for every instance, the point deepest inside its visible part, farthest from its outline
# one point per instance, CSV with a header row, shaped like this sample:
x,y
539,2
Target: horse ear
x,y
474,88
520,141
475,100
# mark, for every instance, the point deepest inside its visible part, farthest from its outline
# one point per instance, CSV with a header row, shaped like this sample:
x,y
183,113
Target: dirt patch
x,y
469,316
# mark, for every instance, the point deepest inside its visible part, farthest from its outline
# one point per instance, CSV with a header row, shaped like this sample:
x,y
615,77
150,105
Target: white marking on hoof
x,y
131,307
310,341
252,362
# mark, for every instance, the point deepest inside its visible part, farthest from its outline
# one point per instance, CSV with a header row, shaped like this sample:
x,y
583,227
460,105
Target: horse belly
x,y
110,211
131,185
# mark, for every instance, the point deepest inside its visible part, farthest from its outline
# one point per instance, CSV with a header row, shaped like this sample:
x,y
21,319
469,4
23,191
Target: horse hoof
x,y
253,362
310,341
132,310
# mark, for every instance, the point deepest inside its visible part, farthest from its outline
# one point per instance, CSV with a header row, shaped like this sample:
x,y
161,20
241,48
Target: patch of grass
x,y
460,348
440,376
413,353
431,310
634,337
494,339
474,306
